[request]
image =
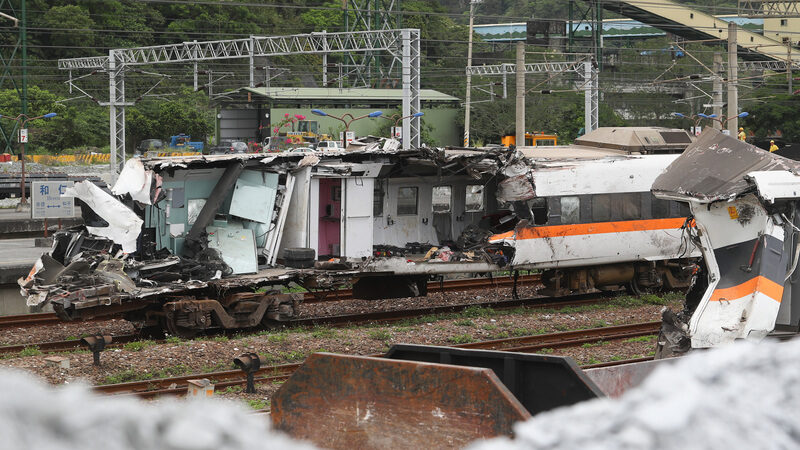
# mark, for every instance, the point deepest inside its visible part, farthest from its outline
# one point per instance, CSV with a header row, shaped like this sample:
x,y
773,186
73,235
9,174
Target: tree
x,y
189,114
776,117
73,30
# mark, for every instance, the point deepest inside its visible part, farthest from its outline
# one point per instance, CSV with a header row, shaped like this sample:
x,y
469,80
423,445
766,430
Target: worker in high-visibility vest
x,y
742,136
772,146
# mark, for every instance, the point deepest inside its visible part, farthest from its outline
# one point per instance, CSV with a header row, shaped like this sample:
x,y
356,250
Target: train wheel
x,y
171,327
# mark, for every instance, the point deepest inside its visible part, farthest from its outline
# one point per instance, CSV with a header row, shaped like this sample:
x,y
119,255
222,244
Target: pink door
x,y
330,201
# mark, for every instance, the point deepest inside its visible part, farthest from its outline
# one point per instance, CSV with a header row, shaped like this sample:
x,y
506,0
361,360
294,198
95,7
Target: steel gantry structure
x,y
584,68
403,45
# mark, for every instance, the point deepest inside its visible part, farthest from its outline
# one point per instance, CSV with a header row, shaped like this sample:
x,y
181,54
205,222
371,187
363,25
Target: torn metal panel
x,y
630,174
772,185
134,180
714,168
124,226
515,189
743,249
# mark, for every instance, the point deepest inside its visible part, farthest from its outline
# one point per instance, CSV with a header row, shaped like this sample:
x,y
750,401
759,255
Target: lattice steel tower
x,y
369,69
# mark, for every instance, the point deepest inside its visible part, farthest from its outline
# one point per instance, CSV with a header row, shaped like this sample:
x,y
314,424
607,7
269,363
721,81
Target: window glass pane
x,y
474,199
631,206
195,205
377,201
441,199
407,200
601,208
570,210
659,208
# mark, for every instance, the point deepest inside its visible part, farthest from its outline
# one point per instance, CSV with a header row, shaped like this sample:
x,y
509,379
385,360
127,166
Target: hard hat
x,y
741,129
771,142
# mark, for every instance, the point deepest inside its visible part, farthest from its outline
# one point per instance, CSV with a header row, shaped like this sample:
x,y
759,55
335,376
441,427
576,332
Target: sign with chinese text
x,y
23,135
47,202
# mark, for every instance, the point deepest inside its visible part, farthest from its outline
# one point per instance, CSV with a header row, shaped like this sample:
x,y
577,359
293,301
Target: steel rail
x,y
63,346
178,385
343,320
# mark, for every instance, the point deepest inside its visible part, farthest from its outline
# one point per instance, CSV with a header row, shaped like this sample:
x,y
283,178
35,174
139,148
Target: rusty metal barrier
x,y
341,401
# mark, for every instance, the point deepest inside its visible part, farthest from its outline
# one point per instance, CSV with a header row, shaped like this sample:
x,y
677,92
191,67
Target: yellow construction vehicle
x,y
534,139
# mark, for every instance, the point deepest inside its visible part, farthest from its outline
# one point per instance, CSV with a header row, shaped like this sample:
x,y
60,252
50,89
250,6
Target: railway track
x,y
343,320
271,374
29,320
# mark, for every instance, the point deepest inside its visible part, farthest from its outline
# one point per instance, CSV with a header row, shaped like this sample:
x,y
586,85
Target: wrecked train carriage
x,y
744,201
208,230
194,236
592,222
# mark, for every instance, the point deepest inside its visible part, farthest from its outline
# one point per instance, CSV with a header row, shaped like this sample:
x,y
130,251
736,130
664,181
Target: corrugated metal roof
x,y
290,93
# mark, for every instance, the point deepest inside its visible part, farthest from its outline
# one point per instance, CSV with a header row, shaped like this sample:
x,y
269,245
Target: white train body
x,y
381,218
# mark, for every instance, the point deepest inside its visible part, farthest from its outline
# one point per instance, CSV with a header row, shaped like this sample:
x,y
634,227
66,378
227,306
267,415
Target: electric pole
x,y
520,128
733,75
472,4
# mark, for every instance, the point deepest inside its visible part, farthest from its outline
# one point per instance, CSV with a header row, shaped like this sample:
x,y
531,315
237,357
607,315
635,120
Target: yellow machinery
x,y
534,139
307,133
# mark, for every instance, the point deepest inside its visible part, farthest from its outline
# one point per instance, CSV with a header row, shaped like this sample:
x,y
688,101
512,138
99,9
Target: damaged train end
x,y
744,203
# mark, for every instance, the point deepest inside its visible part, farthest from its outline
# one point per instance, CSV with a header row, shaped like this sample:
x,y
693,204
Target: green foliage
x,y
74,29
594,344
258,404
465,323
30,351
777,116
650,338
380,335
187,113
461,339
322,333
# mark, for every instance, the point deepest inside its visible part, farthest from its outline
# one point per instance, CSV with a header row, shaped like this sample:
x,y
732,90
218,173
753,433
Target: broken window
x,y
538,207
407,201
474,198
377,200
440,199
570,210
194,208
601,208
630,205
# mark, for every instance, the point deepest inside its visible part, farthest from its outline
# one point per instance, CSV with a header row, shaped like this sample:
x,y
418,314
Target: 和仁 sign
x,y
47,202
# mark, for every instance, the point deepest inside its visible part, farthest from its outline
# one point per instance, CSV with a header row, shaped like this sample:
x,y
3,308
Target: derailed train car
x,y
745,202
192,243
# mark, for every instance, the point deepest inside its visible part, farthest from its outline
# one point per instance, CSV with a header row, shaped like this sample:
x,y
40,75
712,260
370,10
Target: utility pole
x,y
472,4
733,75
716,90
789,65
520,128
23,36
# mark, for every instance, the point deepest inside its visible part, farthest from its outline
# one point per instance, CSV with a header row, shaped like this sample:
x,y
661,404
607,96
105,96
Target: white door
x,y
357,217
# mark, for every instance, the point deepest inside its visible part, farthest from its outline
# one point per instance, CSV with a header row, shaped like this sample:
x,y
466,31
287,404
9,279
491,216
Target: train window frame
x,y
467,194
597,207
449,199
574,212
630,205
401,212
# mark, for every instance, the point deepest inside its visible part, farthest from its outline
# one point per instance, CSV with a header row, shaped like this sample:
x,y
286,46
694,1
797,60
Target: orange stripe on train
x,y
761,284
592,228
